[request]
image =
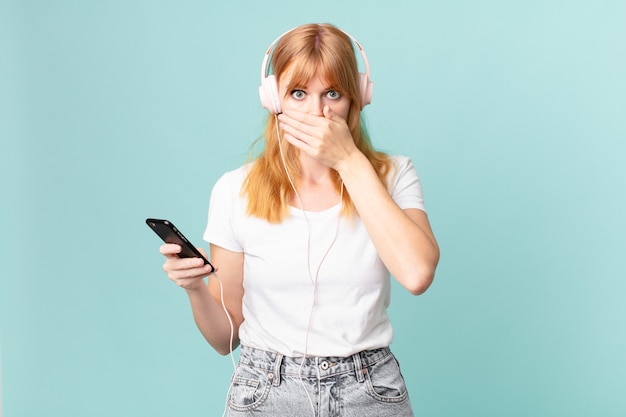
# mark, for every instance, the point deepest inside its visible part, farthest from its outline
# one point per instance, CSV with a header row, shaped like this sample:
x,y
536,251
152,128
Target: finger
x,y
297,142
190,284
305,132
169,249
206,256
301,120
189,274
183,264
293,133
176,271
330,114
174,263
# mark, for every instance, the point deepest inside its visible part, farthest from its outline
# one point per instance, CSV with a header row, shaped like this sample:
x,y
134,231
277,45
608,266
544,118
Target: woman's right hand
x,y
187,273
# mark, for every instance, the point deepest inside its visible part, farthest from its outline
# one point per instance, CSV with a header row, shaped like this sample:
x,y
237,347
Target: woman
x,y
305,238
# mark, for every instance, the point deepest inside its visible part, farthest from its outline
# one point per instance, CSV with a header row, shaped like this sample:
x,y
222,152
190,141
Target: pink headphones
x,y
269,88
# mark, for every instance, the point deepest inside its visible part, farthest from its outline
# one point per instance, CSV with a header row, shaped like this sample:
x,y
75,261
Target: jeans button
x,y
324,365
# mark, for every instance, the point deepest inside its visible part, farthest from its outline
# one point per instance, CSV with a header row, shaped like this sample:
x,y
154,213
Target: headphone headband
x,y
269,87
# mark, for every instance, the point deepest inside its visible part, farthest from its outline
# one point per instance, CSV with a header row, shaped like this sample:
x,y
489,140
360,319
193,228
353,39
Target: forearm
x,y
212,321
404,242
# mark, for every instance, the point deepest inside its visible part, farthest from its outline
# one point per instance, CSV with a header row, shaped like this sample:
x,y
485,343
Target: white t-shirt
x,y
348,312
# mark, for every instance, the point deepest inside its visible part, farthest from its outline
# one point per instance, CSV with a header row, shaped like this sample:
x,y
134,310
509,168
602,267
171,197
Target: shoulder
x,y
232,180
400,167
400,161
404,183
236,175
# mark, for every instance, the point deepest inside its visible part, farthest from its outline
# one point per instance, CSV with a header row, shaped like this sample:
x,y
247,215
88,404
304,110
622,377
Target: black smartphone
x,y
170,234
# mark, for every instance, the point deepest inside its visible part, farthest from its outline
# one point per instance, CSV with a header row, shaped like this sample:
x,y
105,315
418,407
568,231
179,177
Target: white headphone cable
x,y
232,336
311,277
308,247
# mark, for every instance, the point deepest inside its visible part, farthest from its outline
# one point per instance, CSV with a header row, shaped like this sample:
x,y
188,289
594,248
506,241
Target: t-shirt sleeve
x,y
406,188
220,229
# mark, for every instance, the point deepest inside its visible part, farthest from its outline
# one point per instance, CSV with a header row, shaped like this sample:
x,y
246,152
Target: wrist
x,y
353,163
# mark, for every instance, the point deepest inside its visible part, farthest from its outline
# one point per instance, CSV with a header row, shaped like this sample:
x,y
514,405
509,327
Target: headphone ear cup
x,y
366,86
268,91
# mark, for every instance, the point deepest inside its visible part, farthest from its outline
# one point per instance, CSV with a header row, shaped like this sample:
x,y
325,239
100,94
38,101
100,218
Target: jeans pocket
x,y
250,388
384,381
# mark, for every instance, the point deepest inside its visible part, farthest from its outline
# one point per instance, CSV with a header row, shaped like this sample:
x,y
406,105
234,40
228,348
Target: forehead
x,y
298,74
292,79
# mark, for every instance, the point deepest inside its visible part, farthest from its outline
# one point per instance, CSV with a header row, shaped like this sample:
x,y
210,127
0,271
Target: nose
x,y
316,106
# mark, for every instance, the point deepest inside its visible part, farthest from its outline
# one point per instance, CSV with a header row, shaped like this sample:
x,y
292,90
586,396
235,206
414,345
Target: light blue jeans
x,y
365,384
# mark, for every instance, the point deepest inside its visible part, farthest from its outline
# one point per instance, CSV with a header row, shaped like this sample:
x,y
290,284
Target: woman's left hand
x,y
325,138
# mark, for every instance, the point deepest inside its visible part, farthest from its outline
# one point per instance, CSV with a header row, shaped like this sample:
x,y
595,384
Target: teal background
x,y
513,111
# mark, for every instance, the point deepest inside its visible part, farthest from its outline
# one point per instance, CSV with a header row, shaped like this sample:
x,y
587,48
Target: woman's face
x,y
312,98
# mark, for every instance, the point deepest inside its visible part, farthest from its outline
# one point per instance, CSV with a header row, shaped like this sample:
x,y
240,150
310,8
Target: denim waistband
x,y
313,366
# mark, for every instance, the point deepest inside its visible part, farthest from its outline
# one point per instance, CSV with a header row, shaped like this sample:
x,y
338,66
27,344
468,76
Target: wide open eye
x,y
333,94
298,94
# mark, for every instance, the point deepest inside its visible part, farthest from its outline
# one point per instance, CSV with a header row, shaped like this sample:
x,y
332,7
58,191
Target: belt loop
x,y
358,367
277,363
